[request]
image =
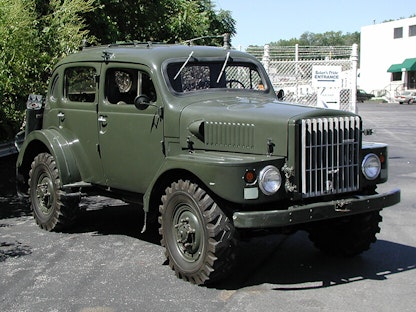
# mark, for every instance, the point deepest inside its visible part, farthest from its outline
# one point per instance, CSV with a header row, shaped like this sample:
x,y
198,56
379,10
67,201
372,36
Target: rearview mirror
x,y
280,95
142,102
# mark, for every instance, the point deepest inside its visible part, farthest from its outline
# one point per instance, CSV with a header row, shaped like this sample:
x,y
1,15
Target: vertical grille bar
x,y
330,155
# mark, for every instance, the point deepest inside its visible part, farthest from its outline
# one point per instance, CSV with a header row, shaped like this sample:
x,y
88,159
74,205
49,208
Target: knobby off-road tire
x,y
348,236
49,209
198,237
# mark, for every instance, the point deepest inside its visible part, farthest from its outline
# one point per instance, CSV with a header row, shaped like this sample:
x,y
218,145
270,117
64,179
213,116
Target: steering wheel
x,y
238,82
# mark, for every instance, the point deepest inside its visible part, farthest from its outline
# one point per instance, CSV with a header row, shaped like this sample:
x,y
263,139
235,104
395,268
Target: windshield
x,y
194,75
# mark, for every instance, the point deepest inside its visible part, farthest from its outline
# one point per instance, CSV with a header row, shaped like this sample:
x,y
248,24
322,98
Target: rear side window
x,y
80,84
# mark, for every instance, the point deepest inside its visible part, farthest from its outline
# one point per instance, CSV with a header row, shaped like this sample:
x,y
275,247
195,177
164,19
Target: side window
x,y
122,85
80,84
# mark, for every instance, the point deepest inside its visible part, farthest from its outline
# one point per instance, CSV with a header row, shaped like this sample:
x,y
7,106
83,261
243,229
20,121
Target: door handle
x,y
61,118
102,120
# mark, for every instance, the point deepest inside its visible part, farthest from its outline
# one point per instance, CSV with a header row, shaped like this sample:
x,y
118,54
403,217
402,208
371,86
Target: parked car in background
x,y
363,96
406,97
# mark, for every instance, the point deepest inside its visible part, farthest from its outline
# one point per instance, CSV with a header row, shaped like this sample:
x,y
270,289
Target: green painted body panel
x,y
59,147
211,135
222,173
245,124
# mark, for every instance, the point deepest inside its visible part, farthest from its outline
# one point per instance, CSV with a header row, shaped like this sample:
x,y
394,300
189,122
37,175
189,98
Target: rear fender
x,y
50,141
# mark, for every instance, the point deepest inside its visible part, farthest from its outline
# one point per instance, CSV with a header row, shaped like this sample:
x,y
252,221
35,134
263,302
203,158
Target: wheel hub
x,y
44,195
187,235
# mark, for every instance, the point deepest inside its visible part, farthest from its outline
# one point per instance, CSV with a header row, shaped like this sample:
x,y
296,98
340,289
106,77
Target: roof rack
x,y
149,44
134,43
225,36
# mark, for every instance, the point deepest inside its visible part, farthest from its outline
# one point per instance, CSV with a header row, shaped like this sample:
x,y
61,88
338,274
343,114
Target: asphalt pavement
x,y
104,264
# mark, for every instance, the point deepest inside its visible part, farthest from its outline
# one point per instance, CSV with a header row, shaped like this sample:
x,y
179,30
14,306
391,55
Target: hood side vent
x,y
229,134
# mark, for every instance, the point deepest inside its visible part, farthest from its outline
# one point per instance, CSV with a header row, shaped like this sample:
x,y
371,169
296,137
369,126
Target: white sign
x,y
327,81
329,98
326,76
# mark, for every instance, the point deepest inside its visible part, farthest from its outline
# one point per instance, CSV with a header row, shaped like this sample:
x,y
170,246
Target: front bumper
x,y
316,211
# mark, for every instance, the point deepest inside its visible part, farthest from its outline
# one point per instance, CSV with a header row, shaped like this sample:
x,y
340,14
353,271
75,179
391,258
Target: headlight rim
x,y
265,172
364,168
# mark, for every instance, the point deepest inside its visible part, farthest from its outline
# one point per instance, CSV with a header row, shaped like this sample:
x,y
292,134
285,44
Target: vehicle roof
x,y
148,54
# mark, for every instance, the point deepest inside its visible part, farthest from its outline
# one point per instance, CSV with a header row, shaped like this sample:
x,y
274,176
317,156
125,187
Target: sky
x,y
260,22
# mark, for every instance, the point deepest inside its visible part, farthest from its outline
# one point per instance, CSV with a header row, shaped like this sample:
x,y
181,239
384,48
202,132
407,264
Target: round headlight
x,y
270,180
371,166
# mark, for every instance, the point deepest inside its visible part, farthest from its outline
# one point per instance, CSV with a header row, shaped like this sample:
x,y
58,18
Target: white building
x,y
388,57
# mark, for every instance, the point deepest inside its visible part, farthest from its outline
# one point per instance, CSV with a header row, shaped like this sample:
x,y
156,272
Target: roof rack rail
x,y
226,37
134,43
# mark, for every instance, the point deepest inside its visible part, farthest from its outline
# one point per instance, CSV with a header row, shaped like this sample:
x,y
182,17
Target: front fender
x,y
220,173
51,141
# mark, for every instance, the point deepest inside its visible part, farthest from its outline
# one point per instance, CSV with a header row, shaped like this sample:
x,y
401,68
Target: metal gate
x,y
314,76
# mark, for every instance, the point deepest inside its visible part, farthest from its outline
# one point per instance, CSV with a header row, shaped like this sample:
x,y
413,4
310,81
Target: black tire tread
x,y
347,236
65,212
220,248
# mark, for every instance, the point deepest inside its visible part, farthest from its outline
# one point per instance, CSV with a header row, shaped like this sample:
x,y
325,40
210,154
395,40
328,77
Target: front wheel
x,y
50,210
197,235
347,236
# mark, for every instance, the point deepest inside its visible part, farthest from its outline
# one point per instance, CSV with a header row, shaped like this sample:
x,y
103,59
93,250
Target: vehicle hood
x,y
245,125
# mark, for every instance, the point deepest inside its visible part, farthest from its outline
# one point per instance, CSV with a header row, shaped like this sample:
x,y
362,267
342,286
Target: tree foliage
x,y
17,69
161,21
329,38
35,34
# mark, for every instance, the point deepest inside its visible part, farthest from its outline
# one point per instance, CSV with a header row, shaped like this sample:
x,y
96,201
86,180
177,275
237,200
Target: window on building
x,y
396,76
412,30
398,32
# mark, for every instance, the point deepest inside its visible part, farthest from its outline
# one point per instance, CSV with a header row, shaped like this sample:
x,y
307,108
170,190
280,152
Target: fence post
x,y
354,60
266,57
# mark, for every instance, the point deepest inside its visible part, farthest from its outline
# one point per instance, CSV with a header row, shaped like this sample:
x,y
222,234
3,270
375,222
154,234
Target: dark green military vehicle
x,y
197,136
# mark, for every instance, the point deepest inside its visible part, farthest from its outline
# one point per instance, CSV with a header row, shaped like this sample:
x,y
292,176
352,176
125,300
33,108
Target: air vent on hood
x,y
229,134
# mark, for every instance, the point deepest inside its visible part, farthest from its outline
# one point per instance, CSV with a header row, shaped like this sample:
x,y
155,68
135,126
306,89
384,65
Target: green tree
x,y
329,38
17,39
161,21
33,36
62,29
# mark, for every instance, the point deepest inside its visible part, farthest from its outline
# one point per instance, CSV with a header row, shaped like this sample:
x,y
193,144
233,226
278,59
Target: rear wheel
x,y
197,235
50,210
346,236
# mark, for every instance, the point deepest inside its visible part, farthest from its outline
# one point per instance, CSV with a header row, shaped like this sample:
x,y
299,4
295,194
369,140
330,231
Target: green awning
x,y
395,68
408,65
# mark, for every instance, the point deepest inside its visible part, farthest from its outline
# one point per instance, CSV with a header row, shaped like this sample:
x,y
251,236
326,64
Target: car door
x,y
130,139
75,93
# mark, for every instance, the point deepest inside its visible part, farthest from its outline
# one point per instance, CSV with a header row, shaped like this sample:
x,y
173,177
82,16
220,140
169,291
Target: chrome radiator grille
x,y
330,150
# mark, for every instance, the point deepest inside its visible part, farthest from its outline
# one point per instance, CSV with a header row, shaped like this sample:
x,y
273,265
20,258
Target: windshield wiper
x,y
183,66
223,67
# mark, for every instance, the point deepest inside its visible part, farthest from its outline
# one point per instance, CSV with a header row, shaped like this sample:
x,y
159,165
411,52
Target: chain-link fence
x,y
315,76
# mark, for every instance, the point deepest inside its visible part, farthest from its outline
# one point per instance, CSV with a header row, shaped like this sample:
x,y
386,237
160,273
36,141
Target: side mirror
x,y
280,95
142,102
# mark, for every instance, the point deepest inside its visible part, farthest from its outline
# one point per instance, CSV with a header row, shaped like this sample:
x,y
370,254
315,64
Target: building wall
x,y
379,50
